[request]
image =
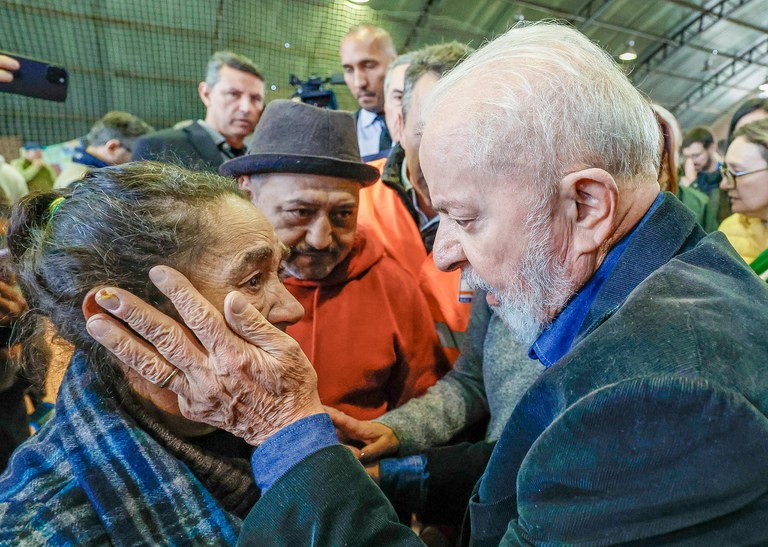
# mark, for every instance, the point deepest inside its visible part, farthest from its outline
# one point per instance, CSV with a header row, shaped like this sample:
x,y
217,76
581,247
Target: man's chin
x,y
312,272
521,323
370,105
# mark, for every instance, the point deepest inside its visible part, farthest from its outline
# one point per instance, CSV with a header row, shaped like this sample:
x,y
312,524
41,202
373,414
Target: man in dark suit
x,y
650,423
366,53
233,95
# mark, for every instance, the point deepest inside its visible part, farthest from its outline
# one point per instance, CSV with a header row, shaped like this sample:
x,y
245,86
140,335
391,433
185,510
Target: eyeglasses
x,y
731,177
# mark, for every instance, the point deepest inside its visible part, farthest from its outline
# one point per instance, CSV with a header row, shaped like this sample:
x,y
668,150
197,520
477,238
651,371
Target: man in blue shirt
x,y
651,421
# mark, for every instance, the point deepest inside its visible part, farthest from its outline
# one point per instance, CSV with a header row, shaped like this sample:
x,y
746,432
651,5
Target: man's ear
x,y
90,307
204,90
399,124
244,181
112,145
590,201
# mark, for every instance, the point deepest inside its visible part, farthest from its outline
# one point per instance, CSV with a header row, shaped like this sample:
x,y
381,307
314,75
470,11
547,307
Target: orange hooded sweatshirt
x,y
368,332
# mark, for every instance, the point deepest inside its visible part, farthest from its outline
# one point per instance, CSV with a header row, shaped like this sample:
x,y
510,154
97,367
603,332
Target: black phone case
x,y
37,79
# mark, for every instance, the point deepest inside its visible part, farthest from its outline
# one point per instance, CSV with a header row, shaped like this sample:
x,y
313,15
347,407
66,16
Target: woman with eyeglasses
x,y
745,178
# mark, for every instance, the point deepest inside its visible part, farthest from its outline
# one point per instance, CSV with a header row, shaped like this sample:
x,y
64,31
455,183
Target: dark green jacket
x,y
653,428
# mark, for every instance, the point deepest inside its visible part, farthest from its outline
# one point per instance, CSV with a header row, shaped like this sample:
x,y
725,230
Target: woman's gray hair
x,y
543,100
110,229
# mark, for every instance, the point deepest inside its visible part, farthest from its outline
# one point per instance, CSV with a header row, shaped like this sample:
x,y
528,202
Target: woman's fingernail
x,y
107,299
157,275
99,328
238,304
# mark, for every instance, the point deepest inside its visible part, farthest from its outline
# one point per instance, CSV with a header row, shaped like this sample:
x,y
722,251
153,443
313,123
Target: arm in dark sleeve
x,y
325,499
662,459
436,485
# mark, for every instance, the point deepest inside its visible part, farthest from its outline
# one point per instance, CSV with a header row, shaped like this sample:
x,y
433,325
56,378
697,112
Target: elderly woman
x,y
118,463
745,178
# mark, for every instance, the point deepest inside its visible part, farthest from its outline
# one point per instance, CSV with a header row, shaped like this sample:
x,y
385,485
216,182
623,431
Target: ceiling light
x,y
359,1
630,54
763,87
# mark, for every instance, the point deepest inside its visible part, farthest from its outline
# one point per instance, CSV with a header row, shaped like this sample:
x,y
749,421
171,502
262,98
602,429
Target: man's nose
x,y
246,105
361,79
447,252
320,233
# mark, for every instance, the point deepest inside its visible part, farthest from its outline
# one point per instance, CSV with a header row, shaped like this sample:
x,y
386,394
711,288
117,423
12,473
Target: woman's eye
x,y
254,281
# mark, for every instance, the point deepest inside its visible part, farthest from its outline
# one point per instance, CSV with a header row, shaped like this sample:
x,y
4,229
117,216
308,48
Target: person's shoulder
x,y
645,444
164,135
734,222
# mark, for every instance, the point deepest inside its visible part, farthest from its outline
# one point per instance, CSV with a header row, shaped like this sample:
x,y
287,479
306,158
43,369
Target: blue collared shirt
x,y
556,340
83,157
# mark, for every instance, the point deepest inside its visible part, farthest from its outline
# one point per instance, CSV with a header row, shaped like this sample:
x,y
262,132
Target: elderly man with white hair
x,y
649,423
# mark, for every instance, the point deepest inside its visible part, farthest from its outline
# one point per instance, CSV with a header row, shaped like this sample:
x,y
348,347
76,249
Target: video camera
x,y
311,91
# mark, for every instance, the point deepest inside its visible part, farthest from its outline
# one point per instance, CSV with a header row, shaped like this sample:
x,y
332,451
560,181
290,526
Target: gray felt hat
x,y
294,137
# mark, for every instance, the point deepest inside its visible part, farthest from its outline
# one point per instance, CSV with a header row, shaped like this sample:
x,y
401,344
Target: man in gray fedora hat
x,y
367,328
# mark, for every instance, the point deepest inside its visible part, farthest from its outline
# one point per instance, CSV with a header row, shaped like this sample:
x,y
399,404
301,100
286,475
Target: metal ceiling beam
x,y
696,81
691,30
701,9
591,11
618,28
421,22
725,73
576,18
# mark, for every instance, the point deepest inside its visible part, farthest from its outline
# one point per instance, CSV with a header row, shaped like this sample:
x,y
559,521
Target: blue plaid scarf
x,y
92,475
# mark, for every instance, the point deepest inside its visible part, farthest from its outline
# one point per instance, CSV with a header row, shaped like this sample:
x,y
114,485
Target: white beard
x,y
540,285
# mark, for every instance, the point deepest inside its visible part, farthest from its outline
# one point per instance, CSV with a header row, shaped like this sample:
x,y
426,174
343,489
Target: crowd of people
x,y
498,304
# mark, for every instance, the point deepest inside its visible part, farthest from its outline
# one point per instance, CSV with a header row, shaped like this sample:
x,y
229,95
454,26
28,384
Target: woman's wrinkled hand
x,y
236,372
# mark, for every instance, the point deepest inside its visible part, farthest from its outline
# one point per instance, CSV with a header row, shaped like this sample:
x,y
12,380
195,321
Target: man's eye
x,y
301,213
254,281
464,223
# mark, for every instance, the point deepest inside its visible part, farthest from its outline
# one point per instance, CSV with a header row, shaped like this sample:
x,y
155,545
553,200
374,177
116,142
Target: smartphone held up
x,y
35,78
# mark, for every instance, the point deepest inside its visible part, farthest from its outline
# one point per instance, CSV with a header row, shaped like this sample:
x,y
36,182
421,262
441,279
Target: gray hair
x,y
438,58
552,101
404,59
111,229
232,60
122,126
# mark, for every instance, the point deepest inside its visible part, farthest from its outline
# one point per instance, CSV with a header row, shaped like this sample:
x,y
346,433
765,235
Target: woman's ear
x,y
90,307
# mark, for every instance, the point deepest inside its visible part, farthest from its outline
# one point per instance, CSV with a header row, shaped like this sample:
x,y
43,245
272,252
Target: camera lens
x,y
56,75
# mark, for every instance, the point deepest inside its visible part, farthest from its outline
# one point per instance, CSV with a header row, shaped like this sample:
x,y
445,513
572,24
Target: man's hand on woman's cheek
x,y
238,372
